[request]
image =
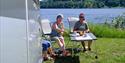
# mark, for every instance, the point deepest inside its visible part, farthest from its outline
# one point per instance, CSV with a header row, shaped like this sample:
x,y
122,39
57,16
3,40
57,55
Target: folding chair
x,y
72,21
46,29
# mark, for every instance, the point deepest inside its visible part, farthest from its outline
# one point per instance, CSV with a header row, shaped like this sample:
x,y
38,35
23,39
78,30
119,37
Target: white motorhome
x,y
19,31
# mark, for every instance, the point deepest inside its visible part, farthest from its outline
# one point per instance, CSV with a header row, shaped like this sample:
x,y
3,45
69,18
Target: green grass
x,y
110,46
101,30
109,50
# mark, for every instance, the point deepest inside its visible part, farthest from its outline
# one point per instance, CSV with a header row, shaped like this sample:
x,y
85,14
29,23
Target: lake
x,y
91,15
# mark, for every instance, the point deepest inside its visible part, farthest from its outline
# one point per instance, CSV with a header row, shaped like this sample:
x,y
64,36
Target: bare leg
x,y
63,47
62,41
89,45
59,42
83,44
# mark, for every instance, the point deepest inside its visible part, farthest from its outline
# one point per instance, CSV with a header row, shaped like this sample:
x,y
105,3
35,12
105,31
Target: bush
x,y
119,22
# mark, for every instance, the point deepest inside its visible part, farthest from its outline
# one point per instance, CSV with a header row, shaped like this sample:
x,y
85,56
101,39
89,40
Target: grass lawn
x,y
109,50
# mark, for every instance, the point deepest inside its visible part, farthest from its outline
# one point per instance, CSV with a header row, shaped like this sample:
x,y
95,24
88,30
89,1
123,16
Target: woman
x,y
57,32
81,26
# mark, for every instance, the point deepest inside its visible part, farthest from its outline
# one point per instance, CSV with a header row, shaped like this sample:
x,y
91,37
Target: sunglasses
x,y
81,17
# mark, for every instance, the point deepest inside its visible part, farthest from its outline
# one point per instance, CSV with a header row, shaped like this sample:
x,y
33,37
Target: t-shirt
x,y
80,26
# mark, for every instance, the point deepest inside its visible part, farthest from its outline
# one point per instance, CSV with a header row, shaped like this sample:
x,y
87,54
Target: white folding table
x,y
77,38
86,37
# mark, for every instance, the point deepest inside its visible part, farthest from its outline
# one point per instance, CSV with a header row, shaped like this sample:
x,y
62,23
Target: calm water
x,y
92,15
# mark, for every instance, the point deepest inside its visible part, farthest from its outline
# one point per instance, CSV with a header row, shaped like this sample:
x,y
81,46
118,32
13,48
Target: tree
x,y
89,3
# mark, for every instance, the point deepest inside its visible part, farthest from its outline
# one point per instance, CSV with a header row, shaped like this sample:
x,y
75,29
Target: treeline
x,y
82,3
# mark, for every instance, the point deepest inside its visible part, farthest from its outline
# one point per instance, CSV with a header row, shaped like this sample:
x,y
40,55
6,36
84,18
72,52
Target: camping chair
x,y
46,30
91,36
72,21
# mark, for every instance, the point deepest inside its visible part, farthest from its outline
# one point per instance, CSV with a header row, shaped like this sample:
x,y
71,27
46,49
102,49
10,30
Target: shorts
x,y
57,38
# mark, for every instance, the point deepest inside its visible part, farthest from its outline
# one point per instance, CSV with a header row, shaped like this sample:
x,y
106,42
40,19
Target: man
x,y
81,27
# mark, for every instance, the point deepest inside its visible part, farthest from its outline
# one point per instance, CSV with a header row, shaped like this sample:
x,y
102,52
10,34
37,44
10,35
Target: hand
x,y
87,31
81,33
62,33
74,31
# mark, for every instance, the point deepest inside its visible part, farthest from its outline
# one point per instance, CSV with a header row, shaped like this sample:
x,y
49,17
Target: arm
x,y
62,27
56,28
87,28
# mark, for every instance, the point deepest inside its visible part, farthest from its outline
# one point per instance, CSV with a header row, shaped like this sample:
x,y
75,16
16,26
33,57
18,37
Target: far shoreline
x,y
87,8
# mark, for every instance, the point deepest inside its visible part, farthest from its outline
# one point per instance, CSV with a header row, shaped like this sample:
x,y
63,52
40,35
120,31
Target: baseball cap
x,y
60,16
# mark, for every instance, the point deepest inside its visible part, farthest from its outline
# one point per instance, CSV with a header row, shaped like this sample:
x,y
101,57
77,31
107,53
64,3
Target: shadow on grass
x,y
76,57
74,50
67,59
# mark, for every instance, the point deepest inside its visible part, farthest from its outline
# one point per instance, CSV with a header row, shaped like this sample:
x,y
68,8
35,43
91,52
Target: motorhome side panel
x,y
13,32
